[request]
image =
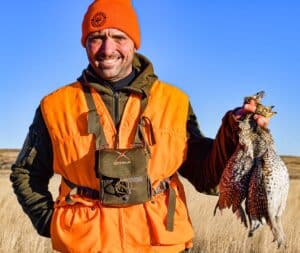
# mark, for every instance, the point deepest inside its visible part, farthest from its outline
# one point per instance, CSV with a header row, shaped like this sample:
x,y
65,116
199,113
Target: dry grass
x,y
293,163
7,157
222,233
16,232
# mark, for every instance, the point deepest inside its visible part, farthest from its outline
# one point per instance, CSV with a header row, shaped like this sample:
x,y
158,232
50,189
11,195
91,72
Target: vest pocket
x,y
157,211
76,228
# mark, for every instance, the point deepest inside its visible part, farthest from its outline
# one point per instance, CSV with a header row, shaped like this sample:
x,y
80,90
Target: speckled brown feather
x,y
236,174
256,202
268,187
255,173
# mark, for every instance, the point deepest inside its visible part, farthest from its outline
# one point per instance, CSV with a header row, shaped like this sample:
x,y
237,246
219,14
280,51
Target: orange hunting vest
x,y
87,225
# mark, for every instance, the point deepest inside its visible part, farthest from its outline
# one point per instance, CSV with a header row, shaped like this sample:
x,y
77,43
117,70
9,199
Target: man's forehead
x,y
108,31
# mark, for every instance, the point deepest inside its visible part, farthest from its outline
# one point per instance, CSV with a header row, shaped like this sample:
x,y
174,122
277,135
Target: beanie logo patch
x,y
98,19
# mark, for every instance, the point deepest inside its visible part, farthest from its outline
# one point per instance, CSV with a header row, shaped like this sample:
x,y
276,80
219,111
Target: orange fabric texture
x,y
89,226
119,14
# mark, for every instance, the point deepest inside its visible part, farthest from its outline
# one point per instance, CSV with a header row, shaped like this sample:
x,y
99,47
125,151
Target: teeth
x,y
109,61
106,62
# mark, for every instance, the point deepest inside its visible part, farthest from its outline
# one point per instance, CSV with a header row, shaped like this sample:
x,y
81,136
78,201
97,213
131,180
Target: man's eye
x,y
119,37
95,39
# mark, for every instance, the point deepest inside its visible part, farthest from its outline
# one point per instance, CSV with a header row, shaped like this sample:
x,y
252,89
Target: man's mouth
x,y
107,62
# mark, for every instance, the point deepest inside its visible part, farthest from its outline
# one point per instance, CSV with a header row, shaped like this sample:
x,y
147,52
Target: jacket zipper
x,y
116,97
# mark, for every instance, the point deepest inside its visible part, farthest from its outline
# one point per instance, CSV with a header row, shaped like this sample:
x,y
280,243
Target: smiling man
x,y
110,53
118,136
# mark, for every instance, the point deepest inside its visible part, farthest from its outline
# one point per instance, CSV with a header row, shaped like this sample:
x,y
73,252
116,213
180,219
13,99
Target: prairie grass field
x,y
213,234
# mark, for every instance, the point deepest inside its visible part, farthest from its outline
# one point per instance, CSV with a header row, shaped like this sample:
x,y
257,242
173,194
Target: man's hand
x,y
250,107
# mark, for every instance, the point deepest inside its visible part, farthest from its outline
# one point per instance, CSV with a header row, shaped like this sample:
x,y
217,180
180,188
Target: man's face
x,y
110,53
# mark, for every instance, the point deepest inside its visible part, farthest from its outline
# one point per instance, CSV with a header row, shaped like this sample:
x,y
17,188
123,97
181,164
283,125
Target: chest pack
x,y
122,172
123,176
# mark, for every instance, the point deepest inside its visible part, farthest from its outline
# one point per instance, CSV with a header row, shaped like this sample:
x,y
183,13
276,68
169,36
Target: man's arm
x,y
206,158
31,174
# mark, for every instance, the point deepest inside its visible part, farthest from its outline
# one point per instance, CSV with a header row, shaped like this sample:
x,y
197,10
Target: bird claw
x,y
216,208
280,243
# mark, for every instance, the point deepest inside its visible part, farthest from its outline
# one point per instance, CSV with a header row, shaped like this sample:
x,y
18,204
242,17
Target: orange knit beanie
x,y
117,14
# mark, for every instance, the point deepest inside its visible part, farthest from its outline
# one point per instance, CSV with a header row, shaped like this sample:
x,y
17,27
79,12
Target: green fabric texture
x,y
93,119
171,209
30,178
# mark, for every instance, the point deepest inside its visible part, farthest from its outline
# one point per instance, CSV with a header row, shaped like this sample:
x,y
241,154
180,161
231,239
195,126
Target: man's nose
x,y
108,46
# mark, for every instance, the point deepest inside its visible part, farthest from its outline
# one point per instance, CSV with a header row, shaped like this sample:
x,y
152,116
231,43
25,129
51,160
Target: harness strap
x,y
145,123
80,190
163,186
94,194
121,186
94,126
171,209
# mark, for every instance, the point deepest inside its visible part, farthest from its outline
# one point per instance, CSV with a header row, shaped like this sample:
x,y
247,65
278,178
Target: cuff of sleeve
x,y
43,224
231,120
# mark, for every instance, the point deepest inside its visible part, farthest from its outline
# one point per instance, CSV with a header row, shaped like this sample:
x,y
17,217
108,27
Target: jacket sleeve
x,y
31,174
206,158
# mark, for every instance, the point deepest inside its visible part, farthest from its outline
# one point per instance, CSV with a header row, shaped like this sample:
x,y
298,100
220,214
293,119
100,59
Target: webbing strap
x,y
147,123
94,126
139,135
139,131
171,209
140,138
94,194
80,190
144,123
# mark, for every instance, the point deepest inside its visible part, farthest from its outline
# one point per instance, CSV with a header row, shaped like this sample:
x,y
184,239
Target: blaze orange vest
x,y
89,226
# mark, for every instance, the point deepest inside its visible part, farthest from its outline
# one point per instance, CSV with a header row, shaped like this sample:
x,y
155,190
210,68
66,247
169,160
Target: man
x,y
118,136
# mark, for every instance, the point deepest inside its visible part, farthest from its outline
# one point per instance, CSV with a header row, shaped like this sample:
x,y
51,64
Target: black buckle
x,y
87,192
162,187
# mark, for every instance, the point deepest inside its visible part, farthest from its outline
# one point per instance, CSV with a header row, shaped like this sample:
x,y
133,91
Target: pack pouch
x,y
123,176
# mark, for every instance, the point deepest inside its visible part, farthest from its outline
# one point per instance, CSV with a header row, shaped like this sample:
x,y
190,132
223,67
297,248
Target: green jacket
x,y
206,158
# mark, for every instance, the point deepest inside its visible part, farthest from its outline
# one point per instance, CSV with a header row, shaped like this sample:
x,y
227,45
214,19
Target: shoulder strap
x,y
94,126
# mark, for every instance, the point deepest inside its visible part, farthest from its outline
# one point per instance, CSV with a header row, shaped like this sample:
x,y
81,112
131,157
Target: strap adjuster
x,y
162,187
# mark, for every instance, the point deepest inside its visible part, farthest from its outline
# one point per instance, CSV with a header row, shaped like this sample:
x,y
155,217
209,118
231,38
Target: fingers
x,y
250,107
261,120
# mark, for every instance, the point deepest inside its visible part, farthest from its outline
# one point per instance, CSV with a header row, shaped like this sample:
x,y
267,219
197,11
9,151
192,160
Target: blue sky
x,y
216,51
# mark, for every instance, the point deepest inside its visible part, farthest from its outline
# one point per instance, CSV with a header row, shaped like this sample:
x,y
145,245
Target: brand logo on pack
x,y
122,158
